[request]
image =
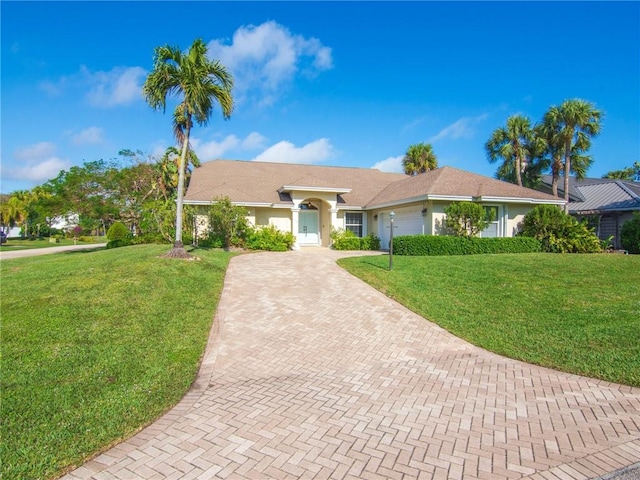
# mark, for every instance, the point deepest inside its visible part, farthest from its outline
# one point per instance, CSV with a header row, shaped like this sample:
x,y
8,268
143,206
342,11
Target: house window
x,y
492,216
353,222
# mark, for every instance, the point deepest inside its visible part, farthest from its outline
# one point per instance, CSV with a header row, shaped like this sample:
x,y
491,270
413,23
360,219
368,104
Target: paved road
x,y
310,373
8,254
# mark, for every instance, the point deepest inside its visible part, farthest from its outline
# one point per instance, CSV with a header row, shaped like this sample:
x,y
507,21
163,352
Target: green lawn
x,y
26,244
576,313
96,345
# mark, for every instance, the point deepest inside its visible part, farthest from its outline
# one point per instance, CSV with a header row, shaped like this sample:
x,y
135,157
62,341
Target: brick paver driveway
x,y
313,374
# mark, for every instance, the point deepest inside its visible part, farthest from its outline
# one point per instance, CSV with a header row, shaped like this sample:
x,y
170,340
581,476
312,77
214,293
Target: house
x,y
606,204
310,200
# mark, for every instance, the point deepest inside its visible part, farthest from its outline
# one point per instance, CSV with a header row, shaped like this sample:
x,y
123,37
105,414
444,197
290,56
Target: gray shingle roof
x,y
259,182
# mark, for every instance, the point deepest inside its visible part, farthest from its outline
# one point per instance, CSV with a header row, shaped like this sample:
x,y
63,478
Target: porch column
x,y
334,219
294,227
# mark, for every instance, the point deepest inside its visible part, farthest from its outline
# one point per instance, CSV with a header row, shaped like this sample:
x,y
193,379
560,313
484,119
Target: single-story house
x,y
606,203
311,200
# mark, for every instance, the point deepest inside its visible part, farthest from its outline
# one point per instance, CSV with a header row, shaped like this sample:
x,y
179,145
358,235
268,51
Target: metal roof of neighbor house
x,y
597,195
261,183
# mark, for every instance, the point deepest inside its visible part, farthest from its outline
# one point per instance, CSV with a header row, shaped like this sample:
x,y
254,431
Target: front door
x,y
308,228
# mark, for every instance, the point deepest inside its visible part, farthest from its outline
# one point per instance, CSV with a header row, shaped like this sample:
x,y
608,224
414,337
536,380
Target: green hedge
x,y
422,245
347,240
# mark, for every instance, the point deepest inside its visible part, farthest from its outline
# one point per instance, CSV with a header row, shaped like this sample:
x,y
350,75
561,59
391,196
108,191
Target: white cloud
x,y
89,136
263,58
36,151
286,152
391,164
35,163
119,86
254,141
463,128
217,149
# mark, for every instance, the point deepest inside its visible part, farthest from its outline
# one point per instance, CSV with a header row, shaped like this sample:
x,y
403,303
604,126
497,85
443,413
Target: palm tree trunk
x,y
519,170
555,176
178,250
567,172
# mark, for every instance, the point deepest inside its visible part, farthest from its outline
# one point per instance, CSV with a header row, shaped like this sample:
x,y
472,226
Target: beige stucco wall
x,y
515,215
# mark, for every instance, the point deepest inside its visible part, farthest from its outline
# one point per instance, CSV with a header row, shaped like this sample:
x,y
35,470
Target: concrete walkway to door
x,y
310,373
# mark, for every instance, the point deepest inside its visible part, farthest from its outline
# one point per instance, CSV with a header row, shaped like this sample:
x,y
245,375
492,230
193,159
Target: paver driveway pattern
x,y
310,373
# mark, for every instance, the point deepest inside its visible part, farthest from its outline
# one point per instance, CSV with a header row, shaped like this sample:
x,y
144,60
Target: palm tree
x,y
199,83
419,159
511,143
573,124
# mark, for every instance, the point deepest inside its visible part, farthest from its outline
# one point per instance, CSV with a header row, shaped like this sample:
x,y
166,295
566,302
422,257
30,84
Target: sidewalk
x,y
310,373
8,254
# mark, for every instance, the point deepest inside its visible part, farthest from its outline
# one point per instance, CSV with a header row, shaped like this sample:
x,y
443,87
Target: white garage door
x,y
408,222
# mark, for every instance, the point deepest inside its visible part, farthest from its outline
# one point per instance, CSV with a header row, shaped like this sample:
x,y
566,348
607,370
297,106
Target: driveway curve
x,y
310,373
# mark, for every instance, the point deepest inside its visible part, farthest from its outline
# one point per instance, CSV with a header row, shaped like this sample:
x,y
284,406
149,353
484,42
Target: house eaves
x,y
300,188
485,198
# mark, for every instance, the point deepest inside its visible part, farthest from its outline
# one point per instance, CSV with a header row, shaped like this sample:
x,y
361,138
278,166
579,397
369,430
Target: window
x,y
353,222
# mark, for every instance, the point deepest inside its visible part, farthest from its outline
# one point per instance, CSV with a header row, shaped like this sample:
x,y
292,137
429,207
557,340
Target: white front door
x,y
308,228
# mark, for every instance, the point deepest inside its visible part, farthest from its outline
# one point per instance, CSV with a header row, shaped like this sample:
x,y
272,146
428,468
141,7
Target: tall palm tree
x,y
511,144
419,159
574,123
199,83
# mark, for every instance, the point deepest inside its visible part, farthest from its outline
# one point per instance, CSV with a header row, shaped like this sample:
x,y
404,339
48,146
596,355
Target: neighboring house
x,y
310,200
606,204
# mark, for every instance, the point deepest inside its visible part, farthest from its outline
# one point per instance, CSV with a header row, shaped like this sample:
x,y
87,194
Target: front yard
x,y
96,345
576,313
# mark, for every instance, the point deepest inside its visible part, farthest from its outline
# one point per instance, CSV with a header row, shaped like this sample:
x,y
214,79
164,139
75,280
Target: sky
x,y
325,83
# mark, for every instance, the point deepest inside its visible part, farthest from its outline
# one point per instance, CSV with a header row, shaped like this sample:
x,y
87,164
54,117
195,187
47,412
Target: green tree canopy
x,y
570,127
631,174
513,144
419,159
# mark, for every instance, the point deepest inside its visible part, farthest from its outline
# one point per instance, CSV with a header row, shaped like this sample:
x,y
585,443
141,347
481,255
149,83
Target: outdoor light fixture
x,y
424,212
392,214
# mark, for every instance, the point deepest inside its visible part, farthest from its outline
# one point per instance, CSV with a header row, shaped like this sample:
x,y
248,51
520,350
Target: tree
x,y
512,144
419,159
630,234
572,125
631,174
199,83
466,219
559,232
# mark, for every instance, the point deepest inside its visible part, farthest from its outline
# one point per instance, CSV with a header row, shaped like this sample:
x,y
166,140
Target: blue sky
x,y
327,83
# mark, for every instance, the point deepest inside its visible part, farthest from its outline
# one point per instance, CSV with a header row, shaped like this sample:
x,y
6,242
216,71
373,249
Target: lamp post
x,y
392,214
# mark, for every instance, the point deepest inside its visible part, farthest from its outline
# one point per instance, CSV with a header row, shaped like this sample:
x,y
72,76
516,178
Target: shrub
x,y
270,238
156,238
118,231
466,219
559,232
229,221
347,240
370,242
118,242
212,241
630,234
421,245
87,239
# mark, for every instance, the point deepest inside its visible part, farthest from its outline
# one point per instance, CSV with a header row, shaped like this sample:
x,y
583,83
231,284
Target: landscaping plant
x,y
559,232
630,234
466,219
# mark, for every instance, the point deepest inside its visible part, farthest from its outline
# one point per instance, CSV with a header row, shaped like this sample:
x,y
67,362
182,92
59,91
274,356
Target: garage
x,y
405,222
